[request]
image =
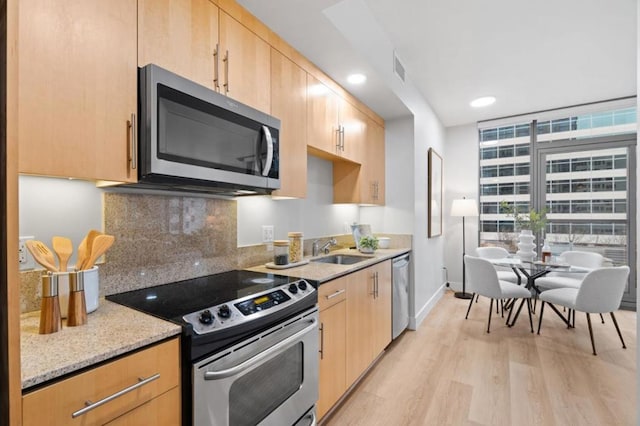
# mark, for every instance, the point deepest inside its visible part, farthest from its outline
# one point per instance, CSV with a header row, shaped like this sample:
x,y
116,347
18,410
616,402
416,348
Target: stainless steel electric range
x,y
249,346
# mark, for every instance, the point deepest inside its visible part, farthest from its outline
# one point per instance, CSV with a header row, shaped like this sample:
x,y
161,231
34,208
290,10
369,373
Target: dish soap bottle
x,y
546,252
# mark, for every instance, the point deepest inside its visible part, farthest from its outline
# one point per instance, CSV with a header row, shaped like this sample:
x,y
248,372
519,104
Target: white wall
x,y
315,215
460,180
56,206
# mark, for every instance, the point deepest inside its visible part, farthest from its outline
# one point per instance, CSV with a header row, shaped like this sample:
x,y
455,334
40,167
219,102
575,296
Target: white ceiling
x,y
530,55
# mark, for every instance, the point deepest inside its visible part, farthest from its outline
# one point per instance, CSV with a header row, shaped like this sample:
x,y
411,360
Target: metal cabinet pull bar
x,y
321,341
336,293
338,139
92,405
216,58
226,72
134,143
275,349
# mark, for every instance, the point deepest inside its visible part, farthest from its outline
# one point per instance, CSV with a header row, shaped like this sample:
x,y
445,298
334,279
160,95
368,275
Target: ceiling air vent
x,y
398,68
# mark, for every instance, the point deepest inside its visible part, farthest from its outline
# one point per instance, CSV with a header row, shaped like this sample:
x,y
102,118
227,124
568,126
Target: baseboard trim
x,y
415,322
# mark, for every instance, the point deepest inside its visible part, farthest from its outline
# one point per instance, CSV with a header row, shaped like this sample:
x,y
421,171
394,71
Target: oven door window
x,y
259,392
191,131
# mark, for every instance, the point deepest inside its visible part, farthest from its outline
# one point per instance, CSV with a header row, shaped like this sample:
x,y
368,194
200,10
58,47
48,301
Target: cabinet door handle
x,y
216,59
373,291
336,293
338,143
342,138
377,286
92,405
226,72
321,341
133,148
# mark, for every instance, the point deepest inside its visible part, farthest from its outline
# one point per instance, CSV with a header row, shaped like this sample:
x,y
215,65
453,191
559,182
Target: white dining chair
x,y
499,253
585,260
482,279
601,292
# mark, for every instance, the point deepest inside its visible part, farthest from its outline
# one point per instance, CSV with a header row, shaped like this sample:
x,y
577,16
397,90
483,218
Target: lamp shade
x,y
464,207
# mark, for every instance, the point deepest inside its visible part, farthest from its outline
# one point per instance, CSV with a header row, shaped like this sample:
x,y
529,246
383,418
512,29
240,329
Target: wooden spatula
x,y
42,254
84,249
100,245
63,248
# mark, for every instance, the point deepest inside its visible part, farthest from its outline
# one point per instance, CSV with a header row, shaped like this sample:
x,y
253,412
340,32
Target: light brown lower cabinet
x,y
333,314
368,317
97,396
355,321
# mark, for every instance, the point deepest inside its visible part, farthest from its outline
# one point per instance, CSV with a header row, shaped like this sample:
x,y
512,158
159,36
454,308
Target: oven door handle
x,y
275,349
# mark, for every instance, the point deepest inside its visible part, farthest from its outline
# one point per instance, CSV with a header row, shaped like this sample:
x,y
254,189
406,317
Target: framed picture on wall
x,y
435,194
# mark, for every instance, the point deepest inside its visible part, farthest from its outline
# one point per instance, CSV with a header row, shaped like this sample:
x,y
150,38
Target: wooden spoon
x,y
42,254
100,245
84,249
63,248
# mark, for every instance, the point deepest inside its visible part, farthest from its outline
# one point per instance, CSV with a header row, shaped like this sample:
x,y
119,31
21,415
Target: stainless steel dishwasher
x,y
401,278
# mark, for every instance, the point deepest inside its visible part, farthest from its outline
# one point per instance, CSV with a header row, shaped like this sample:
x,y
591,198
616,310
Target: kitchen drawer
x,y
332,292
159,411
55,404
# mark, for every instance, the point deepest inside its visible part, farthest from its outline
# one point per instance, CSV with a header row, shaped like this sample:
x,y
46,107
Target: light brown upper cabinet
x,y
244,66
289,104
353,132
336,129
180,36
77,82
322,118
372,187
363,183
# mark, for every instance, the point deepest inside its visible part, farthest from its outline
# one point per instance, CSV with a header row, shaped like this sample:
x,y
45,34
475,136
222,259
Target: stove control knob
x,y
293,288
224,311
302,285
206,317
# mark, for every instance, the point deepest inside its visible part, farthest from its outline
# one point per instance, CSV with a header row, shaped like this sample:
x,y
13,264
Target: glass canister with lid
x,y
295,247
281,252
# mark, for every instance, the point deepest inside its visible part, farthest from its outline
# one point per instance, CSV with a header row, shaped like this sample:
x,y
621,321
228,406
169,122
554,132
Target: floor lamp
x,y
464,208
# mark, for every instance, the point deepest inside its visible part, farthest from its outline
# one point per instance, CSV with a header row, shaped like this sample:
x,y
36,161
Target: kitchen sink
x,y
340,259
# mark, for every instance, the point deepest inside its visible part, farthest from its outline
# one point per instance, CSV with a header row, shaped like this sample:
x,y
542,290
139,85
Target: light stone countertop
x,y
110,331
323,272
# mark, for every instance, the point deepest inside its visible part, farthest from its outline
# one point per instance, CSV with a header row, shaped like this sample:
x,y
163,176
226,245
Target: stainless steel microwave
x,y
194,139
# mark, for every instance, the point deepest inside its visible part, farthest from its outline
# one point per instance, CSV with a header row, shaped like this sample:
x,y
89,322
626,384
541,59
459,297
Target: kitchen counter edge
x,y
324,272
111,330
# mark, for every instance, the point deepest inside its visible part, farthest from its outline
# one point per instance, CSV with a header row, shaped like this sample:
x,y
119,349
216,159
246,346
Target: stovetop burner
x,y
175,300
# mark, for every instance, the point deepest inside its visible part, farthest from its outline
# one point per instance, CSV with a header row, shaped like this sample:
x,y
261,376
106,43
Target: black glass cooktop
x,y
172,301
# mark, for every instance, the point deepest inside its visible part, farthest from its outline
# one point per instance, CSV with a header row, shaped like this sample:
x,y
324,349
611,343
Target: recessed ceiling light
x,y
357,78
482,102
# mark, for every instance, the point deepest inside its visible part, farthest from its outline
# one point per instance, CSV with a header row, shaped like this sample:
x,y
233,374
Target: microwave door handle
x,y
269,139
275,349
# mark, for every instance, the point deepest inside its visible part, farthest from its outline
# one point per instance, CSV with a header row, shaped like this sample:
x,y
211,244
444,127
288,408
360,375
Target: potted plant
x,y
528,225
533,221
368,244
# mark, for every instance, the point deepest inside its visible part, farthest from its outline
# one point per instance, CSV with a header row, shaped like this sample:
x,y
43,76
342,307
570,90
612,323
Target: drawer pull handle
x,y
332,295
92,405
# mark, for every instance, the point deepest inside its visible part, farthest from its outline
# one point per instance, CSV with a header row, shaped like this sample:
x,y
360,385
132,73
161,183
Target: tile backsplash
x,y
161,239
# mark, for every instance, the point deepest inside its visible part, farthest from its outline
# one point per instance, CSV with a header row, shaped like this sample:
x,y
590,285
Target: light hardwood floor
x,y
451,372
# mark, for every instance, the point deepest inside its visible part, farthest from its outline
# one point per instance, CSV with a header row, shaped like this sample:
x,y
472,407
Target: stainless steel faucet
x,y
316,249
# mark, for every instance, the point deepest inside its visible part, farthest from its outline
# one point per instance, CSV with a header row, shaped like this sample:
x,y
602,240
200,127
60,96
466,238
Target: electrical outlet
x,y
267,233
25,260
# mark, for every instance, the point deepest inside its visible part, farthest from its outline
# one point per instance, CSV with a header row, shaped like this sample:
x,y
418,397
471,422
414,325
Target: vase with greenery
x,y
533,220
528,224
368,244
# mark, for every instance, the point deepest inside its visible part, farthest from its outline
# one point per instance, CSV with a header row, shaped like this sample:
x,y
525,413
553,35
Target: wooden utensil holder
x,y
50,319
77,310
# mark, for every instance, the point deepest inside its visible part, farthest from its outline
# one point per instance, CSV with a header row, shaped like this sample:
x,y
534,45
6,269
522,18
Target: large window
x,y
577,168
